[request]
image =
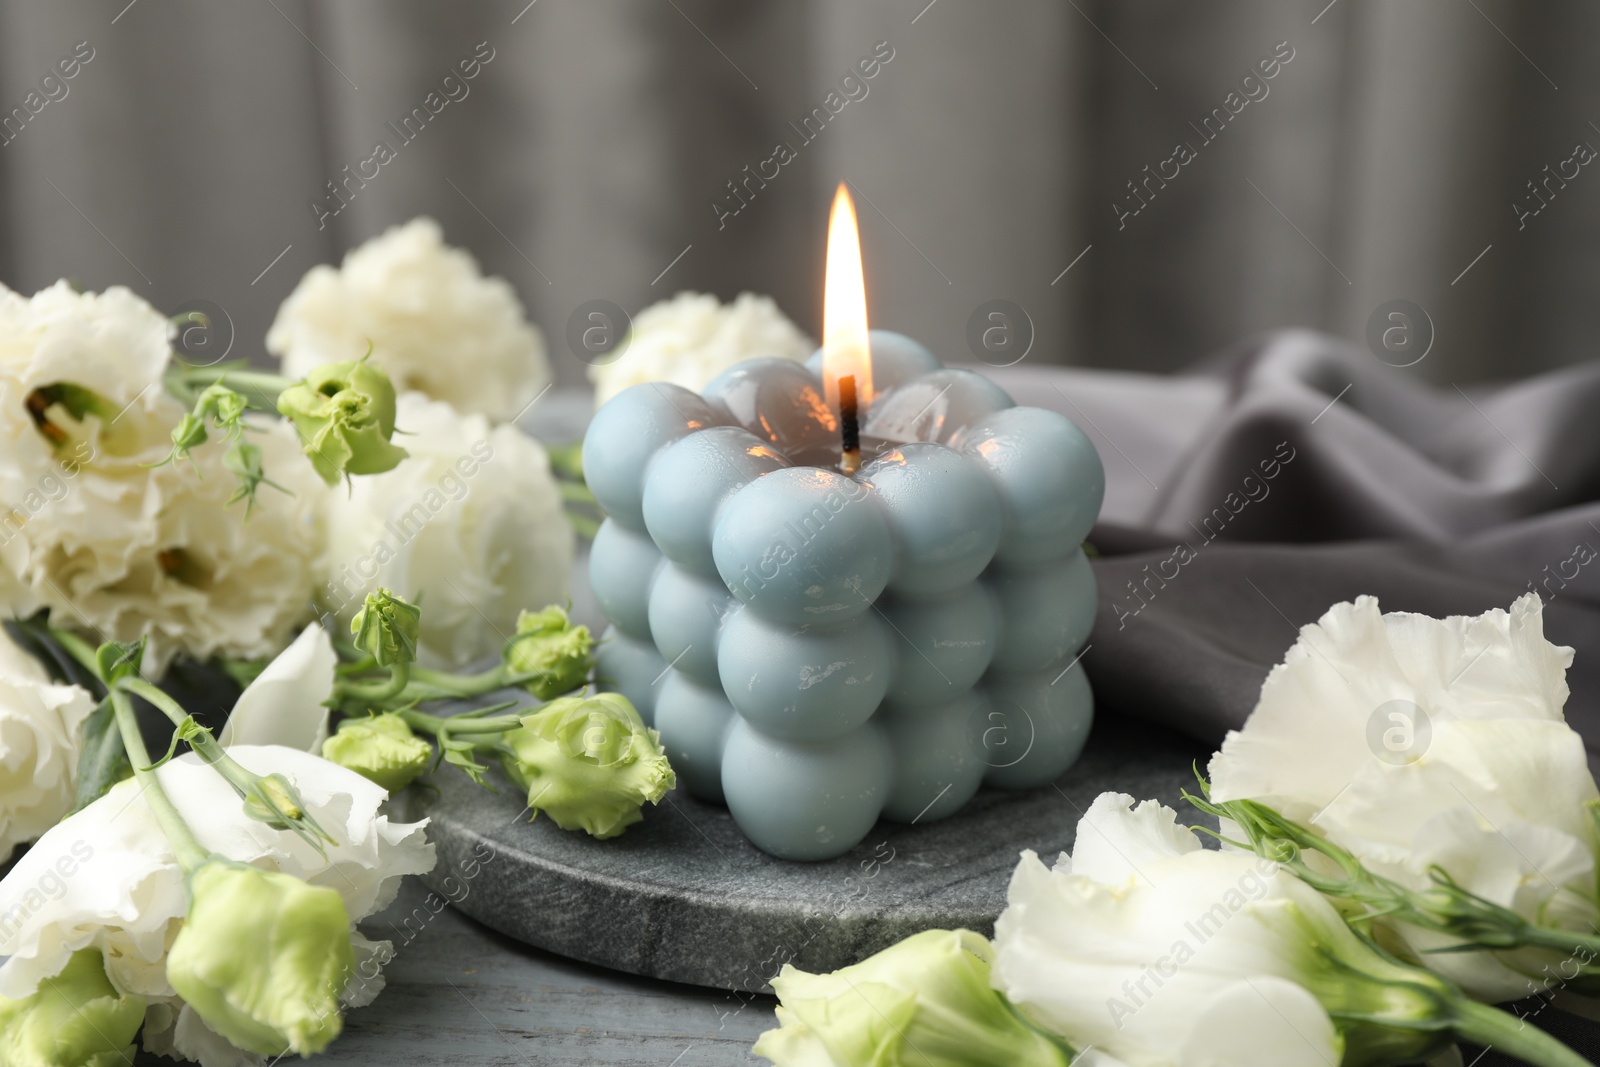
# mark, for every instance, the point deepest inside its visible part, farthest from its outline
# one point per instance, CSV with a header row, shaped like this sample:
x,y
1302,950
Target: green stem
x,y
423,685
1568,942
267,798
1486,1026
260,382
78,649
375,692
204,745
463,685
185,845
459,726
586,527
576,492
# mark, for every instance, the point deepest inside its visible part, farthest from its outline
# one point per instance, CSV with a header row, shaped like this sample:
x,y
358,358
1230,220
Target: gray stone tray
x,y
684,897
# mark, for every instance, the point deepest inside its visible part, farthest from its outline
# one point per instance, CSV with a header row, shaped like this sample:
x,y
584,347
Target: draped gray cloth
x,y
1382,161
1297,472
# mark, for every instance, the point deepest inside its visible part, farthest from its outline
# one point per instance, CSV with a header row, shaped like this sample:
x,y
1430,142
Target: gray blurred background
x,y
1387,159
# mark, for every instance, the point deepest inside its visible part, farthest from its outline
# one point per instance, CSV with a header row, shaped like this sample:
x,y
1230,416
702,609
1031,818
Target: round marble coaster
x,y
684,897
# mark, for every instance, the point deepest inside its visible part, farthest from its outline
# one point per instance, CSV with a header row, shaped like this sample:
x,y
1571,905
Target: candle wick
x,y
849,425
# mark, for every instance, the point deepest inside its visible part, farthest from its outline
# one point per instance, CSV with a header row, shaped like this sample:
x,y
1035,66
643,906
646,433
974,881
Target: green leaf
x,y
33,637
102,761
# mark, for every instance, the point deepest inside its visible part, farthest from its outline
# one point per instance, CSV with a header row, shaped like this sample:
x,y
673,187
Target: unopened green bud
x,y
275,801
77,1017
589,763
926,1000
263,957
386,628
554,655
225,407
189,434
272,799
380,748
344,413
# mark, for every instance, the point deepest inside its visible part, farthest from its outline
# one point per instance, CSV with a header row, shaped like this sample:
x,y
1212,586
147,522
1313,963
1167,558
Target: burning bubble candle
x,y
826,634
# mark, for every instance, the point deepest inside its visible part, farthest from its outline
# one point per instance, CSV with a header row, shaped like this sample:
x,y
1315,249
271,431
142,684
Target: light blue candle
x,y
821,650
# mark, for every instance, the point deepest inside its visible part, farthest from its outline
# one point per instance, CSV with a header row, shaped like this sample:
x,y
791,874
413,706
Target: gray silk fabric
x,y
1245,497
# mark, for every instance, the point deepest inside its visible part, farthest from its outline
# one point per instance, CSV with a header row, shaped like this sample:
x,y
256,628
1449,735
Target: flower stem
x,y
459,725
1569,942
377,693
424,685
1488,1027
204,745
271,799
586,527
462,685
262,387
190,853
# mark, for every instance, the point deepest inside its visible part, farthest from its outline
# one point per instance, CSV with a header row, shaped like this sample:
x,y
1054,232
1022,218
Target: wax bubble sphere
x,y
821,650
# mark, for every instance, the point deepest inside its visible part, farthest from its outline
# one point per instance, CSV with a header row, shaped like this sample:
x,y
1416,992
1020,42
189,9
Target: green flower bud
x,y
345,415
386,628
77,1017
380,748
225,407
588,762
188,435
925,1001
556,654
263,957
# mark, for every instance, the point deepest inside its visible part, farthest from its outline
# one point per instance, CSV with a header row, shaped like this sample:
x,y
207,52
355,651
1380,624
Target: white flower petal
x,y
1502,771
17,665
284,705
39,744
1115,838
1262,1022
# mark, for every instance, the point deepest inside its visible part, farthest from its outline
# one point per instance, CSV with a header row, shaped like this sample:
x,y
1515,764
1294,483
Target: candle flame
x,y
844,306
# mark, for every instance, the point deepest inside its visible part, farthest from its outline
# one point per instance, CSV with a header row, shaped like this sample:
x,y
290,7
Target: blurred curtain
x,y
589,155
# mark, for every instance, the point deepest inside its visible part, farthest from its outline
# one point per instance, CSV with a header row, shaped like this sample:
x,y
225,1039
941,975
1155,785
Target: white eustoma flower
x,y
110,544
434,322
470,525
691,338
1162,954
39,746
108,878
81,411
1413,742
113,343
